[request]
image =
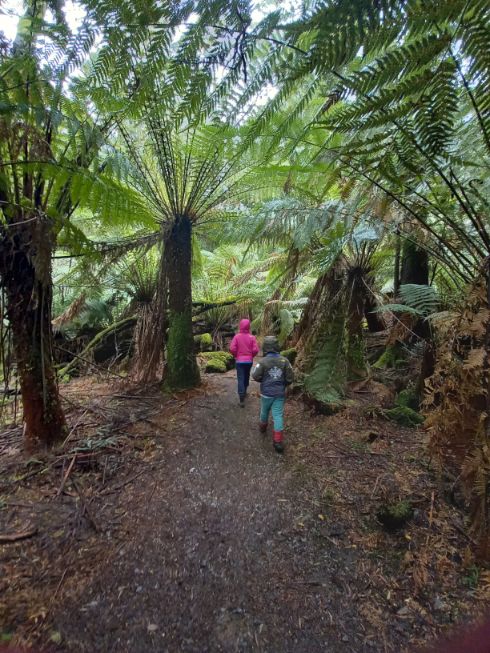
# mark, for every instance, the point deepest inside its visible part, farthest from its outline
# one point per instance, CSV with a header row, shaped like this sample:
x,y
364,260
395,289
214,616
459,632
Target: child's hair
x,y
271,343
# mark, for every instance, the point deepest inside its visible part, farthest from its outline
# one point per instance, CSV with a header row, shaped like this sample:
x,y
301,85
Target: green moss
x,y
215,366
390,358
407,398
217,361
404,415
204,341
182,370
290,354
395,515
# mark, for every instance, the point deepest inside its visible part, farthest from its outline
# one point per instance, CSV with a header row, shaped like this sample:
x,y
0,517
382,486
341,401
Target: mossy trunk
x,y
181,369
25,266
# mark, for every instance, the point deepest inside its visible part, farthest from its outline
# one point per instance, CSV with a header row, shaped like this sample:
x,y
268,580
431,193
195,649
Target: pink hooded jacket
x,y
244,345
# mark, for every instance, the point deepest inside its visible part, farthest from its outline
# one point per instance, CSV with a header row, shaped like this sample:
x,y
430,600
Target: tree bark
x,y
415,264
374,320
25,267
356,356
150,331
181,369
396,270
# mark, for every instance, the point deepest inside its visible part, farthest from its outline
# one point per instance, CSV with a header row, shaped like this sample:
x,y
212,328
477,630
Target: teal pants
x,y
276,405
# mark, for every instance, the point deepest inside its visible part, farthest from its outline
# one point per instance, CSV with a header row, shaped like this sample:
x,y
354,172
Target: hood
x,y
245,326
270,344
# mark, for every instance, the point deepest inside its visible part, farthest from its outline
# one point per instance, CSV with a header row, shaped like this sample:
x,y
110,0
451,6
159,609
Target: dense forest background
x,y
319,167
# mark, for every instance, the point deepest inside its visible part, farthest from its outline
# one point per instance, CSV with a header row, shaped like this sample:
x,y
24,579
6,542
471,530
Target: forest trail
x,y
215,560
169,524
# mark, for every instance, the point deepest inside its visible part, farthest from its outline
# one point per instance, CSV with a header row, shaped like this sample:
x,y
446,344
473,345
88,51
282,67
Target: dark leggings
x,y
243,377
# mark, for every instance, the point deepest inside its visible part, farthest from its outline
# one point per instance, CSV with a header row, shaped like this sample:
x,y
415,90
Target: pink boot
x,y
277,441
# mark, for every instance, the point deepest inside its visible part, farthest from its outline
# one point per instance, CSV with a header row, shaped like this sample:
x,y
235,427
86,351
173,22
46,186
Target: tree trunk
x,y
484,538
181,370
374,320
415,264
25,266
415,270
356,355
396,270
151,327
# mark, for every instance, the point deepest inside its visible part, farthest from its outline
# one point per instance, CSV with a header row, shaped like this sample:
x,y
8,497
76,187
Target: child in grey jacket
x,y
274,373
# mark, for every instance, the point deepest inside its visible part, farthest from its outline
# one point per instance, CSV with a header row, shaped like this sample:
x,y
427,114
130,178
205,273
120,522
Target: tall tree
x,y
190,175
52,162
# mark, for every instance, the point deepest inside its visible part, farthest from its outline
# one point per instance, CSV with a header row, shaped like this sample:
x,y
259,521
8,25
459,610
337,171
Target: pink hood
x,y
244,345
245,326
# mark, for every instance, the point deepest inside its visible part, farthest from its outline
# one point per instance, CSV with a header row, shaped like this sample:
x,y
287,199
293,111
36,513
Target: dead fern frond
x,y
70,313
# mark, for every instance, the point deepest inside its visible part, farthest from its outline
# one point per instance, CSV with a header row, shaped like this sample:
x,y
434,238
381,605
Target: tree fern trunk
x,y
25,266
150,332
357,368
181,370
321,360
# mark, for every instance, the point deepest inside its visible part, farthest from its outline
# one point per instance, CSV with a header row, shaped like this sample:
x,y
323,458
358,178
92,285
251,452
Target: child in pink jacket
x,y
244,347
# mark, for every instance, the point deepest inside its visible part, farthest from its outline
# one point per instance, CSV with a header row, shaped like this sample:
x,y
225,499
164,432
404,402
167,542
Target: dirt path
x,y
215,560
169,524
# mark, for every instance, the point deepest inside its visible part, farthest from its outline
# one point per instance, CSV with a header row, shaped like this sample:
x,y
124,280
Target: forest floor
x,y
170,524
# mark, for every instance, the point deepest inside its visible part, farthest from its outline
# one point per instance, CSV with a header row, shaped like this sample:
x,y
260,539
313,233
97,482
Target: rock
x,y
204,342
217,361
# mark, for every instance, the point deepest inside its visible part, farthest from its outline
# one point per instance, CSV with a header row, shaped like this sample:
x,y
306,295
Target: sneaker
x,y
242,402
279,447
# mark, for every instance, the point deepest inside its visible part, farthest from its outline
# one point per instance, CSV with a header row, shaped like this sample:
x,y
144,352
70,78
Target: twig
x,y
20,535
141,397
375,486
85,506
463,532
110,490
65,477
73,429
85,360
53,598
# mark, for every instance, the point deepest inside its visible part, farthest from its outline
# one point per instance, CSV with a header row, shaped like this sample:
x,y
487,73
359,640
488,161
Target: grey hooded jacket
x,y
274,371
